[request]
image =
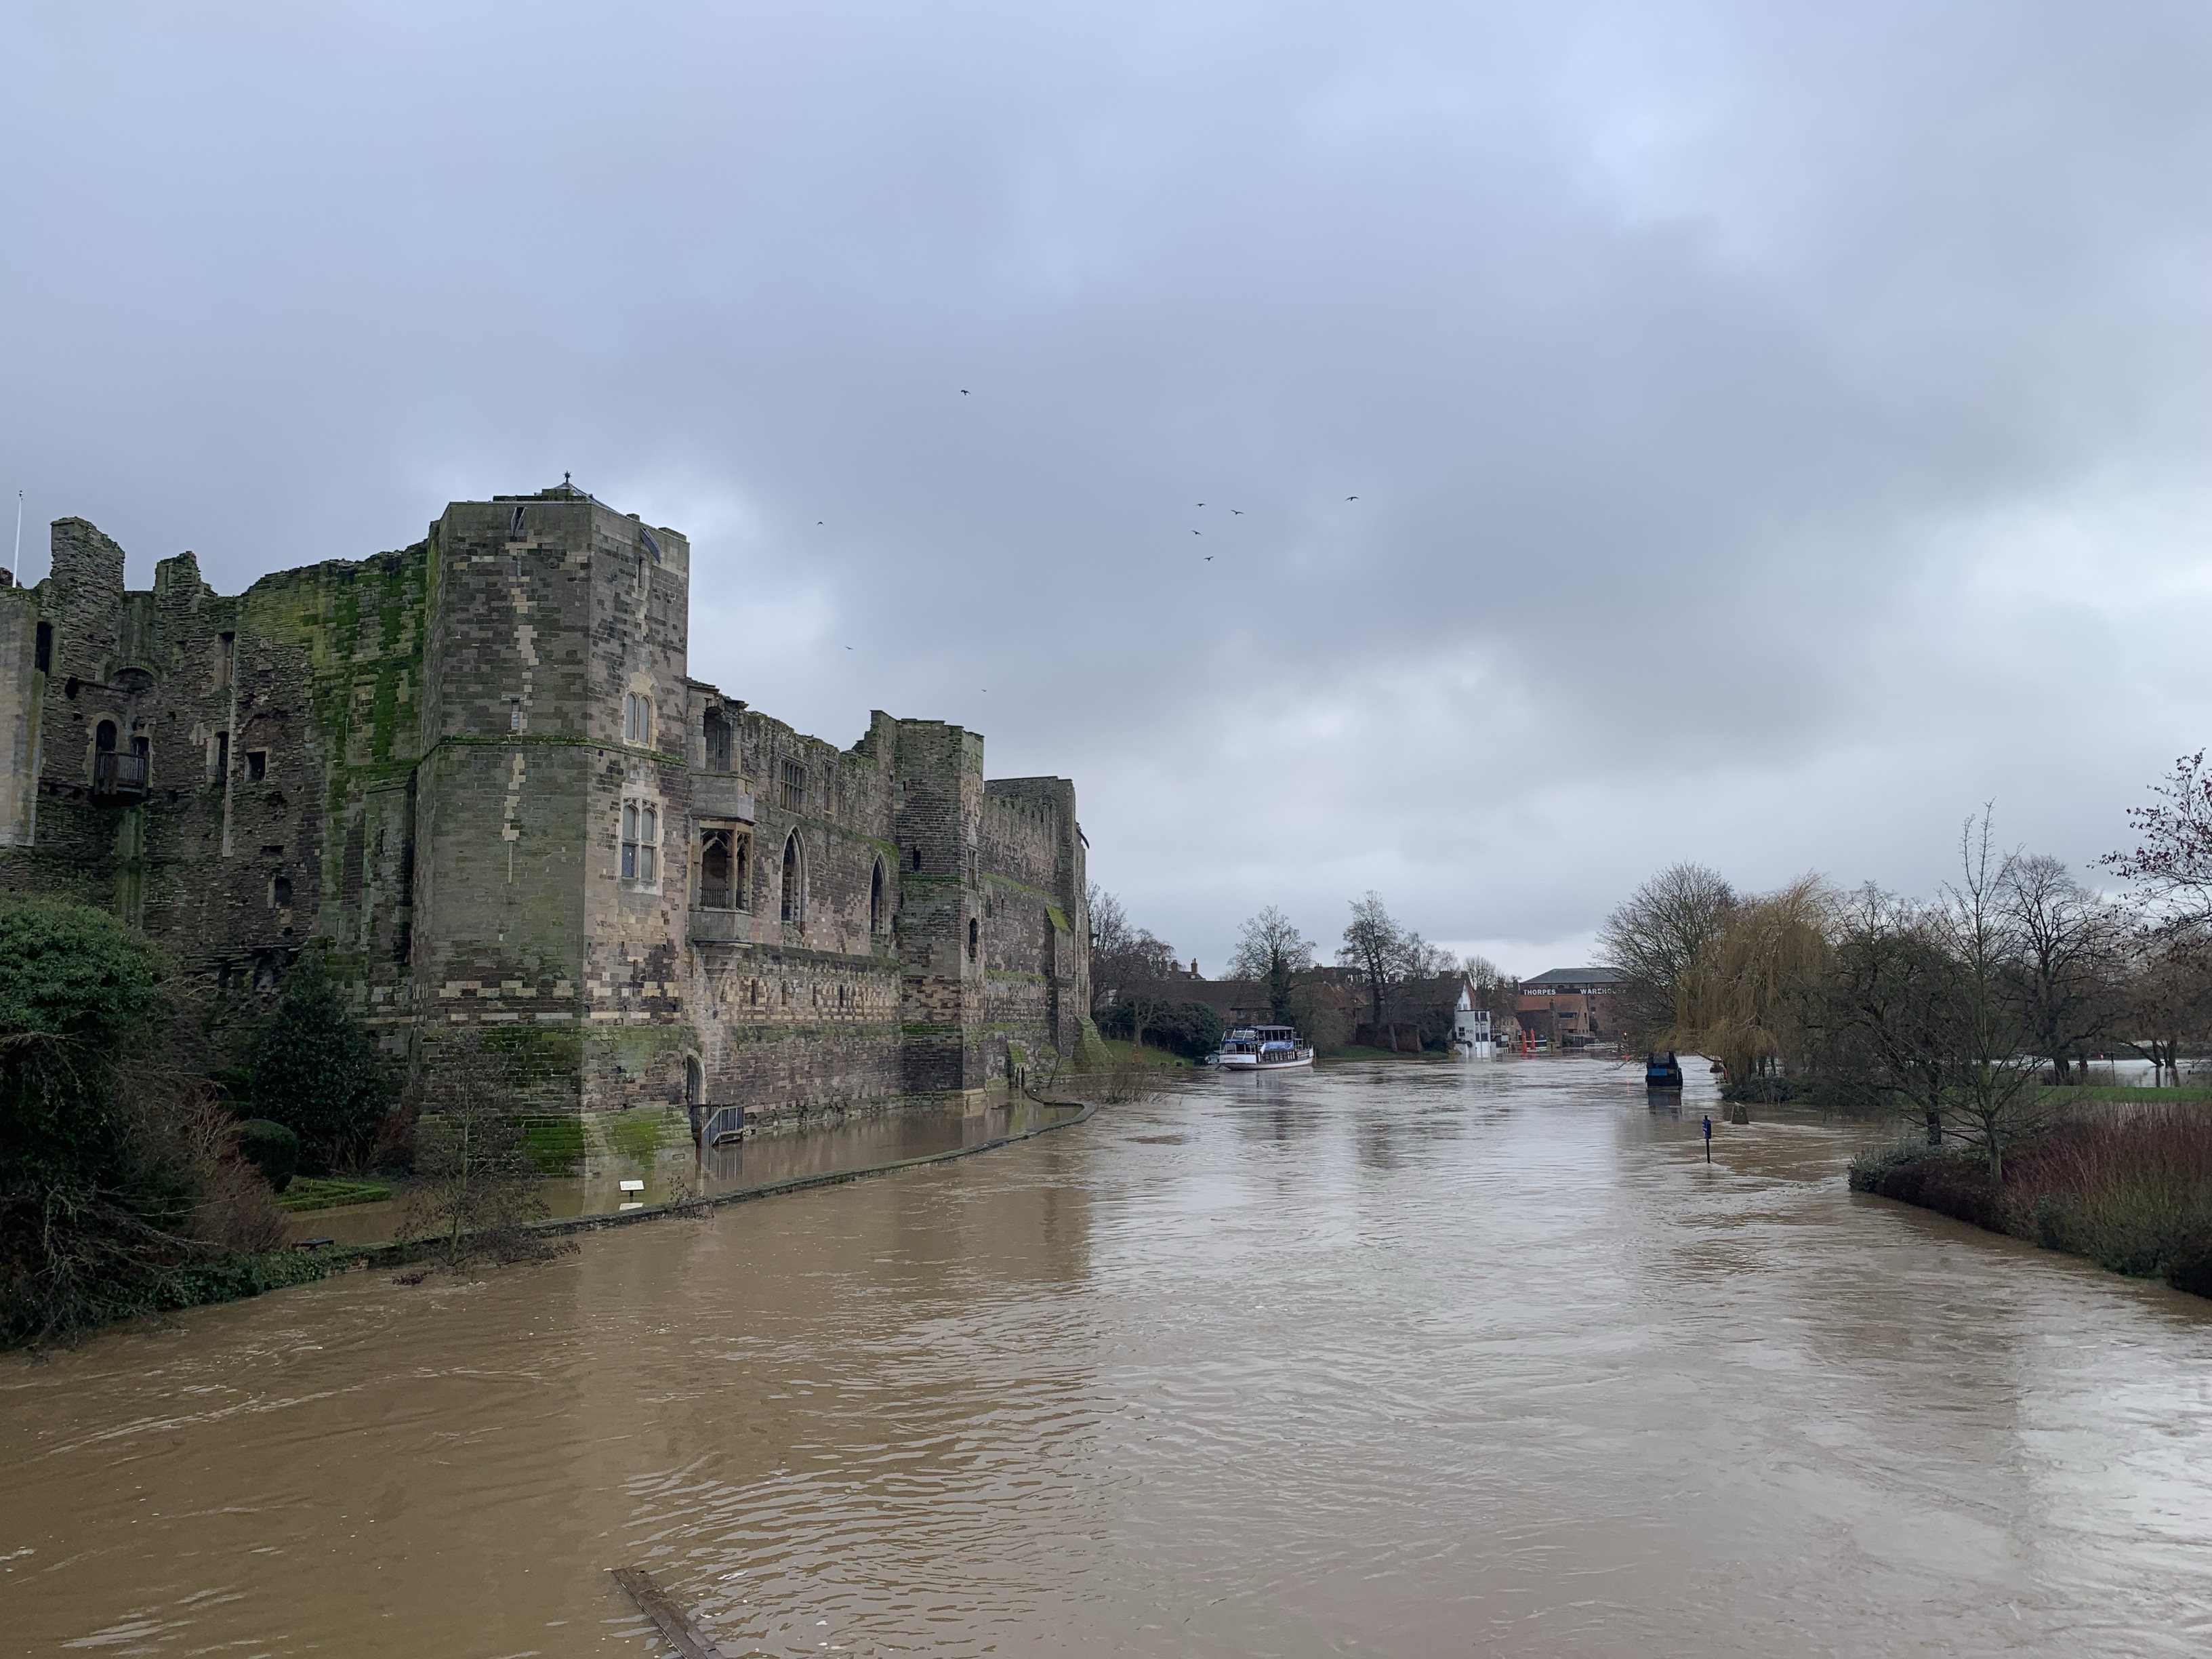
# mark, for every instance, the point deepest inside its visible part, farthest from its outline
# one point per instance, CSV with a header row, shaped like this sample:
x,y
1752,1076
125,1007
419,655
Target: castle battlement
x,y
478,770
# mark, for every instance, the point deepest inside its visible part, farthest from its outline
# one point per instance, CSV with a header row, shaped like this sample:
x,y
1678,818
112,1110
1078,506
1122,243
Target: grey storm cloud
x,y
1775,431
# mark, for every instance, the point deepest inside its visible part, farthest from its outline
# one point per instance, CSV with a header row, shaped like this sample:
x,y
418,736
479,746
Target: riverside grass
x,y
2128,1185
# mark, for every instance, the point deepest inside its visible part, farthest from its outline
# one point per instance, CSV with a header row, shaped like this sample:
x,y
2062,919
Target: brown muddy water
x,y
1388,1359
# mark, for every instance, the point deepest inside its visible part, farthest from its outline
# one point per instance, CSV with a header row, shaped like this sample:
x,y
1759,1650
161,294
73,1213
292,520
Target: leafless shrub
x,y
475,1187
1129,1079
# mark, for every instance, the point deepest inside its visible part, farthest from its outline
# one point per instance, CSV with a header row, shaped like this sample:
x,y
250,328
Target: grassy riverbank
x,y
2129,1186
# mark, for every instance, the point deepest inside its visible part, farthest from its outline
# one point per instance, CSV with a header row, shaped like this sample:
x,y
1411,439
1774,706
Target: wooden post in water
x,y
686,1637
1708,1137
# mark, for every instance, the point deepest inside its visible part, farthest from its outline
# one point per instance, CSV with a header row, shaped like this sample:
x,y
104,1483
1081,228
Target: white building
x,y
1471,1035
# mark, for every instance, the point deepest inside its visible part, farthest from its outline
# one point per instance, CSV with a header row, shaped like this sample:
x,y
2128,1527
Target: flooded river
x,y
1385,1360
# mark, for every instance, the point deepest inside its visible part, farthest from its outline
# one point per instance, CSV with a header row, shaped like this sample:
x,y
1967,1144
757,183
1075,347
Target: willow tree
x,y
1749,996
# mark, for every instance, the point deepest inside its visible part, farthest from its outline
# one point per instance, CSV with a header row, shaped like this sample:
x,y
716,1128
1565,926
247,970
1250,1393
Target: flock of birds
x,y
1238,511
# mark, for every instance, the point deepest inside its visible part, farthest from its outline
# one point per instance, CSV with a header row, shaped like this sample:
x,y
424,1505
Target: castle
x,y
478,769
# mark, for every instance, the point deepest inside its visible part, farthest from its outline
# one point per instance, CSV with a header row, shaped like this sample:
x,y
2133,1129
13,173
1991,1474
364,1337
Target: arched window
x,y
879,909
641,841
103,737
637,719
917,858
794,881
974,939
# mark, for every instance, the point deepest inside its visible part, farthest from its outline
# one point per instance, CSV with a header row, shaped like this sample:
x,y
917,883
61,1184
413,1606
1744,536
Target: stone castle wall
x,y
477,771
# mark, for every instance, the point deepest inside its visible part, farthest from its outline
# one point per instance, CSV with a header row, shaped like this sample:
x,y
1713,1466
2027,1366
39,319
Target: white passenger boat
x,y
1263,1048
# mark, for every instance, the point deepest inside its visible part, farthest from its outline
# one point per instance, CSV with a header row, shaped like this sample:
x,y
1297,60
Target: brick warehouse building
x,y
478,769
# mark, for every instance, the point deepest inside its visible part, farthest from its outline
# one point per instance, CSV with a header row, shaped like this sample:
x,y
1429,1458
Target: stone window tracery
x,y
637,718
641,841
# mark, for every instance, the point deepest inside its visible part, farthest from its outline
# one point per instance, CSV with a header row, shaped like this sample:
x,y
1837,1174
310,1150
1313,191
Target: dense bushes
x,y
316,1071
2131,1187
270,1148
119,1167
1189,1029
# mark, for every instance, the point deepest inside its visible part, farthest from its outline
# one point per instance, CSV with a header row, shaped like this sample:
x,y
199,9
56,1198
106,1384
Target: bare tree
x,y
1991,1093
1109,923
1887,1006
1121,955
475,1184
1269,949
1655,935
2065,949
1387,958
2171,862
1374,947
2168,996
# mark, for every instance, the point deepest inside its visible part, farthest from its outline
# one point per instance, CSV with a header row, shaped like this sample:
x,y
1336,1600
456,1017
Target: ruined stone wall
x,y
1033,873
802,1013
438,760
264,720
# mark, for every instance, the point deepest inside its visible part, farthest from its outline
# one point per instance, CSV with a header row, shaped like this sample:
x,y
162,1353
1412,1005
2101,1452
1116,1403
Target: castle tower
x,y
548,889
936,806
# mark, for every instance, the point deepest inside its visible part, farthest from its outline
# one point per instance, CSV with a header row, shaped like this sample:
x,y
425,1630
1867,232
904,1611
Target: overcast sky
x,y
1775,430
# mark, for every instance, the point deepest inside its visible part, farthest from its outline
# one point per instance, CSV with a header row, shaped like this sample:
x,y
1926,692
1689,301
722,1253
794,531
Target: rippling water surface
x,y
1390,1360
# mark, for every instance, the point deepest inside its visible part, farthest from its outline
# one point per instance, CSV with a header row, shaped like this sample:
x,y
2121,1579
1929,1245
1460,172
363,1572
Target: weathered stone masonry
x,y
478,769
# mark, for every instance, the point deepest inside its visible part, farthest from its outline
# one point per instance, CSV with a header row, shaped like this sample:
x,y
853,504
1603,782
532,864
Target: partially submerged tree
x,y
2166,992
475,1184
1385,957
1653,937
1992,1094
2064,960
1749,996
316,1071
1270,950
1887,1008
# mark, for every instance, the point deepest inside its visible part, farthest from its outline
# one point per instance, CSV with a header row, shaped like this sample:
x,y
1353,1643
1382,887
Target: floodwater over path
x,y
1390,1360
